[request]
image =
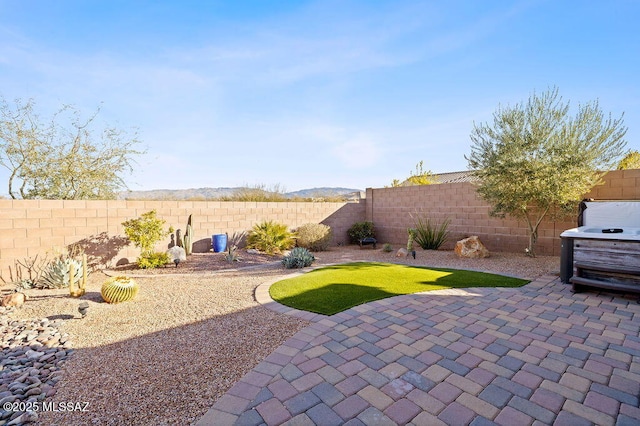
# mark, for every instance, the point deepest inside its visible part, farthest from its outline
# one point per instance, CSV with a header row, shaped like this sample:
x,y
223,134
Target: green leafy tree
x,y
66,157
535,160
630,161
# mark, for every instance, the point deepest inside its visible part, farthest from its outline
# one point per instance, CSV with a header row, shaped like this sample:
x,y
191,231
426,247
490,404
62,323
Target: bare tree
x,y
67,157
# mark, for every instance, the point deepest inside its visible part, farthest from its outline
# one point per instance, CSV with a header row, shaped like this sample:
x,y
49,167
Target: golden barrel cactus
x,y
119,289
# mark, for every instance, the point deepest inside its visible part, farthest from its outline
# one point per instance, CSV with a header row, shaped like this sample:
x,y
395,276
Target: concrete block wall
x,y
38,227
392,210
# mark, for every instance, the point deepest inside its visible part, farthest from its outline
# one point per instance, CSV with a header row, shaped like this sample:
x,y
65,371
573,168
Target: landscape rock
x,y
13,300
472,248
402,252
176,252
29,370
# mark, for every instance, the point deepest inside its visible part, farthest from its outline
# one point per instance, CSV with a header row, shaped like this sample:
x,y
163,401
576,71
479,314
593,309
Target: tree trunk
x,y
533,237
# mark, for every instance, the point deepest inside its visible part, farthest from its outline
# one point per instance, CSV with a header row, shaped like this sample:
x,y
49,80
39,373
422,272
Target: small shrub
x,y
314,236
387,248
430,235
270,237
298,258
145,232
360,230
152,260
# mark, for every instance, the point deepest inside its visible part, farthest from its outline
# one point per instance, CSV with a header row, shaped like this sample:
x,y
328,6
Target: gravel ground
x,y
192,333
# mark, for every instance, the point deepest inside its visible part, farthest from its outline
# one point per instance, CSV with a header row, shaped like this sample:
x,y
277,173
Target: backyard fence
x,y
393,210
37,227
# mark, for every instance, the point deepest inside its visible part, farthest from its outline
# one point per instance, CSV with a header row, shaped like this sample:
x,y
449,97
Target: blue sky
x,y
306,94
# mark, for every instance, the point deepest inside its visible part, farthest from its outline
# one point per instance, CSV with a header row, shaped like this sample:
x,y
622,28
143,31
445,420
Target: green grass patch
x,y
333,289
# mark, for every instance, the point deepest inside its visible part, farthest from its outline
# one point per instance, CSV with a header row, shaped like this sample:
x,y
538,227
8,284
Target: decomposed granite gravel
x,y
167,356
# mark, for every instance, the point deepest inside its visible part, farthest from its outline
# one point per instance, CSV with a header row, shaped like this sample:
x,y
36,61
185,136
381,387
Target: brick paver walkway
x,y
533,355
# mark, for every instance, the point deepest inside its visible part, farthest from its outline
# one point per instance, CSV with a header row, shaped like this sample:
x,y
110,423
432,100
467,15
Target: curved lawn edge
x,y
335,288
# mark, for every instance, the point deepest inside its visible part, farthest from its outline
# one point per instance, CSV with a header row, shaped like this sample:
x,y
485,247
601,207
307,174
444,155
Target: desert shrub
x,y
152,260
314,236
145,232
299,257
387,248
430,235
270,237
360,230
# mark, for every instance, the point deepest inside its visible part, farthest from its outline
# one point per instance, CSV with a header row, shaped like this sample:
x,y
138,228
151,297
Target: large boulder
x,y
13,300
471,247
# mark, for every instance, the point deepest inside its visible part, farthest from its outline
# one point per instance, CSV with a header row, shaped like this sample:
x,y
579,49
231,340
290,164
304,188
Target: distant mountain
x,y
321,192
218,193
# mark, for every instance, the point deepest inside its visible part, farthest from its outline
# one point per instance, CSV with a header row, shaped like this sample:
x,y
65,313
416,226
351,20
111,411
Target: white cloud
x,y
357,152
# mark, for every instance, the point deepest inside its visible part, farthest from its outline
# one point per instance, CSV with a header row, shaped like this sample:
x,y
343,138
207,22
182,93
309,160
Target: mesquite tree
x,y
536,160
66,157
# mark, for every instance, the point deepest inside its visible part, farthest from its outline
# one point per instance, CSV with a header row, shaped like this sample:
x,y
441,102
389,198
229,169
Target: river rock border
x,y
33,353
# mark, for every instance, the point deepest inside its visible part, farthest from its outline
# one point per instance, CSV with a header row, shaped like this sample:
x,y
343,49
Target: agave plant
x,y
57,273
298,258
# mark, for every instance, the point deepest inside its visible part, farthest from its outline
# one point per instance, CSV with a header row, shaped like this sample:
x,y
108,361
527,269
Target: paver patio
x,y
532,355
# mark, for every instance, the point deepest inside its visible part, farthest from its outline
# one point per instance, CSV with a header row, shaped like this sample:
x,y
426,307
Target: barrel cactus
x,y
57,273
119,289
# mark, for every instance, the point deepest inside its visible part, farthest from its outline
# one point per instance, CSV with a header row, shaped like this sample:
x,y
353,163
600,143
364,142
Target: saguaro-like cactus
x,y
188,238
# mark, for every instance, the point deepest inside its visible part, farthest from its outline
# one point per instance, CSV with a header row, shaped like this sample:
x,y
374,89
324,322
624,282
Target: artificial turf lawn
x,y
333,289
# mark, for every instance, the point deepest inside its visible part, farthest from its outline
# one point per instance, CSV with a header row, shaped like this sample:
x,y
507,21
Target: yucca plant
x,y
430,235
231,255
270,237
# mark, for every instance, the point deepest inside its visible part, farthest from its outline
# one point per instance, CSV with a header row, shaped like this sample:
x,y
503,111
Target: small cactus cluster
x,y
185,242
410,240
57,274
298,258
119,289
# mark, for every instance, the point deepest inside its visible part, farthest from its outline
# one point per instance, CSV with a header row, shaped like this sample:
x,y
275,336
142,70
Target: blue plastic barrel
x,y
219,242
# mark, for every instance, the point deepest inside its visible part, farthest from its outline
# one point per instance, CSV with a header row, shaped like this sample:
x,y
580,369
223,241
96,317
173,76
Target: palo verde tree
x,y
66,157
630,161
419,177
536,160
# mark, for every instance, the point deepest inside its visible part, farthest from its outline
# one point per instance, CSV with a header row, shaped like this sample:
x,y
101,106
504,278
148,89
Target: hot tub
x,y
602,233
604,251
